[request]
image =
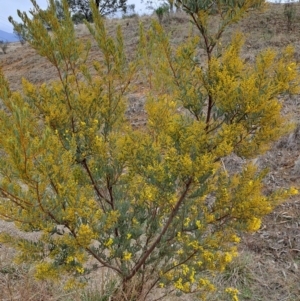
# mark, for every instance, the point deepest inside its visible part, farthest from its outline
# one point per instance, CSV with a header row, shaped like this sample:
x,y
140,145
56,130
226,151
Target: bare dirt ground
x,y
268,267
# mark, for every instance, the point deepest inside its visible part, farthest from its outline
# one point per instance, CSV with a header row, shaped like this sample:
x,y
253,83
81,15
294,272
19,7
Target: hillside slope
x,y
8,37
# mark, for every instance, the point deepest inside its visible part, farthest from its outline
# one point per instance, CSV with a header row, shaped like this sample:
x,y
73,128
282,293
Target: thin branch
x,y
164,230
14,219
181,263
47,212
209,110
103,262
100,195
15,199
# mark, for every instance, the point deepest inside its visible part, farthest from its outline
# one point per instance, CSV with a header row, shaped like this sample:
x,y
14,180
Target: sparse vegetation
x,y
105,8
3,46
290,14
130,12
240,270
162,12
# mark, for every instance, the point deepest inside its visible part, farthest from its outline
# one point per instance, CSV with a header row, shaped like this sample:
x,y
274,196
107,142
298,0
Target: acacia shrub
x,y
153,205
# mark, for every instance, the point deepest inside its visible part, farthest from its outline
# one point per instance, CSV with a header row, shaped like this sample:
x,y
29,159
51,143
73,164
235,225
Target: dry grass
x,y
17,282
257,279
268,265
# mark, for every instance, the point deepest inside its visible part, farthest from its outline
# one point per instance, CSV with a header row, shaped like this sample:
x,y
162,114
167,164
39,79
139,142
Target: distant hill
x,y
8,37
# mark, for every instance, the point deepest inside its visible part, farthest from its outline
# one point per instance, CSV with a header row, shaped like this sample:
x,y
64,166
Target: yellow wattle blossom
x,y
80,270
187,221
205,284
180,252
227,257
199,263
127,256
185,269
235,238
192,276
187,164
233,293
84,235
198,224
46,271
178,284
112,218
254,224
69,259
186,287
109,242
293,191
210,218
291,66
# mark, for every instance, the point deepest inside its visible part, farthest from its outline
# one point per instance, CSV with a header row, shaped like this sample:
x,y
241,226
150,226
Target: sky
x,y
9,8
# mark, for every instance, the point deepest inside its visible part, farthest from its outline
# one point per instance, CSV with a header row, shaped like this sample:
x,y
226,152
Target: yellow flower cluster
x,y
293,191
80,270
205,284
84,235
127,256
109,242
112,218
69,259
46,270
254,224
185,287
233,293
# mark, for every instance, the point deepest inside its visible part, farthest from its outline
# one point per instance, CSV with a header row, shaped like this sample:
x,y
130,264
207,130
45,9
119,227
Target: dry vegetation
x,y
268,267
